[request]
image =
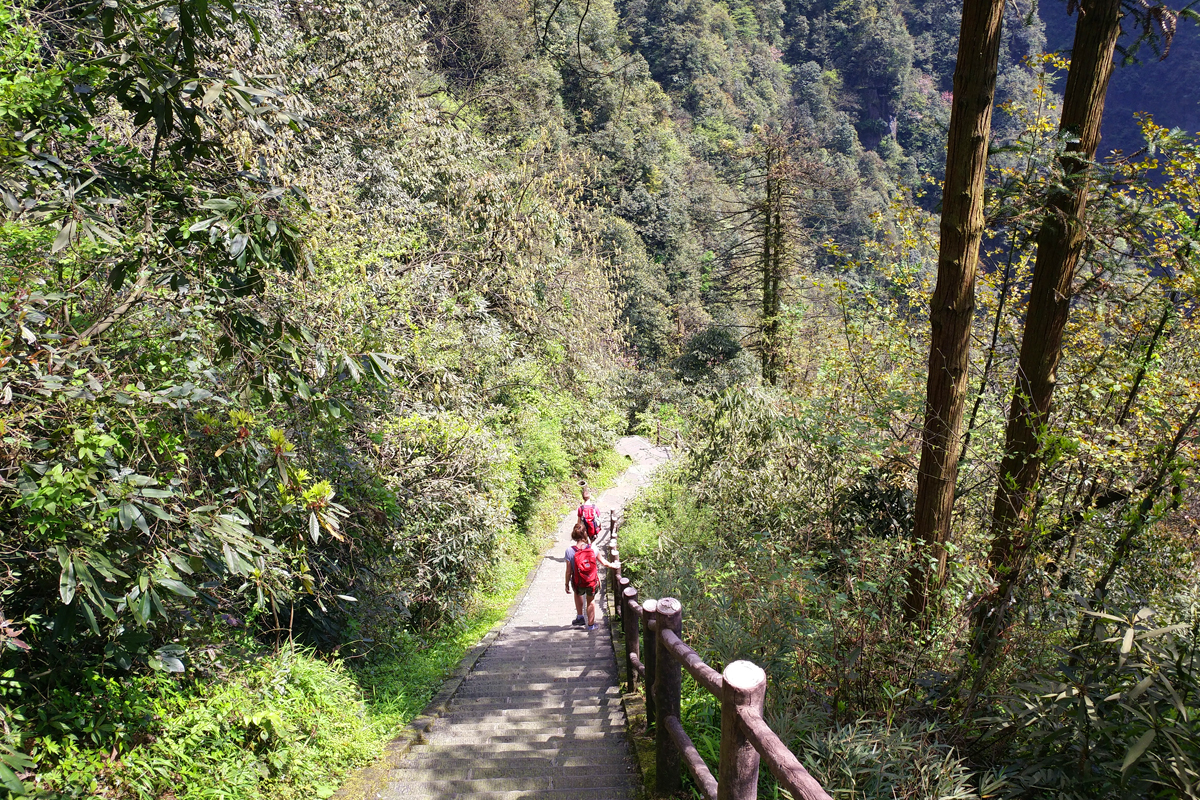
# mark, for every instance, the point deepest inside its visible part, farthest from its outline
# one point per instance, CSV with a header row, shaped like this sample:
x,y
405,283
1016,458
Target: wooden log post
x,y
622,585
745,686
615,581
615,555
630,622
649,656
668,678
614,578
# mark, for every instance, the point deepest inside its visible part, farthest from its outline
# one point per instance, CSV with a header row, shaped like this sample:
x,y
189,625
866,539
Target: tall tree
x,y
1060,241
774,250
784,206
953,304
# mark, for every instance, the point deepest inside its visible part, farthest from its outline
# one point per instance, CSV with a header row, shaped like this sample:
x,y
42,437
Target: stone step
x,y
534,731
513,768
456,736
595,680
543,748
550,666
526,691
595,684
487,722
610,793
539,700
524,709
518,718
529,675
456,765
528,783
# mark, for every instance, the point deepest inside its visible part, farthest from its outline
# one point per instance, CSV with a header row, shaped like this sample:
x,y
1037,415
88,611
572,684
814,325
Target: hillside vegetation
x,y
312,313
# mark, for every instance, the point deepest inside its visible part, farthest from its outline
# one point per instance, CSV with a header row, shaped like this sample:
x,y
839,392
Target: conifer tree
x,y
1059,244
953,303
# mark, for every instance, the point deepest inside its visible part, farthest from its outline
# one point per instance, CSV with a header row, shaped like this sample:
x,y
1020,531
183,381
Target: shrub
x,y
543,461
874,761
1117,721
285,726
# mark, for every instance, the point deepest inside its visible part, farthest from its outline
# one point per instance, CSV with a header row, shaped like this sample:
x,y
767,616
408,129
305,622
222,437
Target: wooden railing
x,y
656,654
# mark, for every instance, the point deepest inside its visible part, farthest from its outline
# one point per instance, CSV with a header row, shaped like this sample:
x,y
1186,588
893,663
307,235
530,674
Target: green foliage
x,y
257,379
878,504
705,353
306,315
285,726
872,760
1117,720
544,462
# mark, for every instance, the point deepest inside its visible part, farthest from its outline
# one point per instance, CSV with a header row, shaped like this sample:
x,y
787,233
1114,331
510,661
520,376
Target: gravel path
x,y
540,714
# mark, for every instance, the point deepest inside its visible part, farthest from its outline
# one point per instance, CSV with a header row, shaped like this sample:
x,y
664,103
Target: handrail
x,y
657,658
691,757
786,768
705,675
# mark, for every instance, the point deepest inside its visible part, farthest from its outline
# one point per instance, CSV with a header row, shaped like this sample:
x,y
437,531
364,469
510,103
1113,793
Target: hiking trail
x,y
539,714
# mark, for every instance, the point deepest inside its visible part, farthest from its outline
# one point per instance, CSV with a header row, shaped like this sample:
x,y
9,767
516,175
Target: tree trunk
x,y
772,260
953,304
764,333
1060,242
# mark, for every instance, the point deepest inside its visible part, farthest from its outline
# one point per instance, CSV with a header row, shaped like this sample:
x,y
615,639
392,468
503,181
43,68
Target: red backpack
x,y
585,574
591,519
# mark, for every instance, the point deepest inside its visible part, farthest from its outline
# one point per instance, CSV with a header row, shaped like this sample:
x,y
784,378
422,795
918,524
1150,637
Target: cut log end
x,y
744,675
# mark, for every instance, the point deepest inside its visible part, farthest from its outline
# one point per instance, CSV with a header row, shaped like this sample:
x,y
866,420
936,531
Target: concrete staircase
x,y
539,715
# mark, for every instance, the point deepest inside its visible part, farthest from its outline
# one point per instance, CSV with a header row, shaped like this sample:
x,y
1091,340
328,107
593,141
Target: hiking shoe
x,y
578,620
592,627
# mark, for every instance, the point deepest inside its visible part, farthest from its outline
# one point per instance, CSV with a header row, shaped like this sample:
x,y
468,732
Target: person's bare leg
x,y
578,605
591,603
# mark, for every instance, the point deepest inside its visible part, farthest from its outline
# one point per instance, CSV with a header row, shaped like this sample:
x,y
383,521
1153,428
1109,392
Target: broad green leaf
x,y
66,583
9,779
1141,687
351,366
172,664
181,563
1138,748
65,234
91,617
178,587
125,515
213,92
159,512
141,608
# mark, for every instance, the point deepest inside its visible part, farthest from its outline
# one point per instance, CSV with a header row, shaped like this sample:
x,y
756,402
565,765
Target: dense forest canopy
x,y
310,311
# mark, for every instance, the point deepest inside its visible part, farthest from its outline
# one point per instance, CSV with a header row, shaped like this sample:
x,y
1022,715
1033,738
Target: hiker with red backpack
x,y
583,575
589,515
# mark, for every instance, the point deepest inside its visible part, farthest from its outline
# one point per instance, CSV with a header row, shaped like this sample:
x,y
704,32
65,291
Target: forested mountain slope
x,y
309,312
1148,83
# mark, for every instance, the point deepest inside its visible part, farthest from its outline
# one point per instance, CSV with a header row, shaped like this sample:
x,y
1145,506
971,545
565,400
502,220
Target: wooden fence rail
x,y
656,654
